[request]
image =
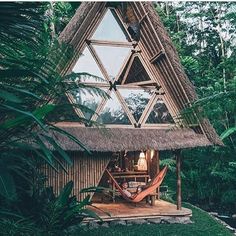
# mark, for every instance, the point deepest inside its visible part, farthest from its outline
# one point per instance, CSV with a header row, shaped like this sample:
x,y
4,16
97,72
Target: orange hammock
x,y
151,187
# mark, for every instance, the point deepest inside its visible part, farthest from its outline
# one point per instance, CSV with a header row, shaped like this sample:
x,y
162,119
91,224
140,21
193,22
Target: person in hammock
x,y
130,195
150,187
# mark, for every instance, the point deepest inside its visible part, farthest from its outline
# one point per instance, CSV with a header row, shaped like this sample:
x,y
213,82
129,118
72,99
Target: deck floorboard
x,y
125,211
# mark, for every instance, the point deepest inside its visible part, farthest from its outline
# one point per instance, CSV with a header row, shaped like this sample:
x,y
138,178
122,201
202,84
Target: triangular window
x,y
109,29
113,112
135,74
136,100
86,65
87,99
119,68
112,58
160,114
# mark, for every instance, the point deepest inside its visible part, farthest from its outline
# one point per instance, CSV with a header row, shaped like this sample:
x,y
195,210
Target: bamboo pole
x,y
178,174
148,158
125,107
110,43
157,153
128,64
147,110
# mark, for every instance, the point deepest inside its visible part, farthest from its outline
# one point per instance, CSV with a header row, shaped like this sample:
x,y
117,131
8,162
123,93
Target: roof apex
x,y
155,41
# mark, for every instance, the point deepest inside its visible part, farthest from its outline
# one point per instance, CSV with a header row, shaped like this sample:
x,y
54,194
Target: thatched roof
x,y
131,139
164,63
186,85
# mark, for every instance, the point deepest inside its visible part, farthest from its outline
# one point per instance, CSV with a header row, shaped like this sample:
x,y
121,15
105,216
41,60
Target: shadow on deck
x,y
142,210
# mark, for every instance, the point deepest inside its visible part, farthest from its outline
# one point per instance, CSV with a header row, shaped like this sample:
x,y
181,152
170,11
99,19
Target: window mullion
x,y
125,107
100,107
99,63
148,109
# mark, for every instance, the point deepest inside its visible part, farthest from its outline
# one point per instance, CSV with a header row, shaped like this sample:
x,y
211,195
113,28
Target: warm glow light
x,y
152,153
142,163
142,155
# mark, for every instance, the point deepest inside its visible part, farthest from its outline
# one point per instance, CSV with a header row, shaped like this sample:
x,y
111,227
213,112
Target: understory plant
x,y
59,213
32,94
50,215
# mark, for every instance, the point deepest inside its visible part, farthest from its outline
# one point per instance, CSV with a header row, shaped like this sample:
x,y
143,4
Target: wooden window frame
x,y
136,51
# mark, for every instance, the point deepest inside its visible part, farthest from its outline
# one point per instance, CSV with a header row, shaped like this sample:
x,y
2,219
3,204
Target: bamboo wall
x,y
85,172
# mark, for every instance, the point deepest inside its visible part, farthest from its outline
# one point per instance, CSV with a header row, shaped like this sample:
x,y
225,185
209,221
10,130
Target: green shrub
x,y
229,197
59,213
22,227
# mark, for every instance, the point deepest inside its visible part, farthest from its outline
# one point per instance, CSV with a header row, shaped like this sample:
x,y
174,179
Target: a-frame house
x,y
128,48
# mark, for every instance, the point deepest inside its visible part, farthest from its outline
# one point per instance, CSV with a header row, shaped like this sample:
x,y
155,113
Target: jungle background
x,y
205,37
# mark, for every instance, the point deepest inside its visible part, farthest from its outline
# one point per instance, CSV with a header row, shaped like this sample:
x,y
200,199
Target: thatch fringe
x,y
130,139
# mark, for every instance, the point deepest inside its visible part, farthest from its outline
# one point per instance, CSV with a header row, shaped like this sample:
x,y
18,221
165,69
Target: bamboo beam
x,y
150,25
178,175
179,96
139,85
143,84
123,24
143,35
84,31
154,69
145,26
157,56
142,18
125,107
134,86
94,84
144,126
167,88
170,65
160,48
100,107
129,64
110,43
124,65
98,61
147,110
174,111
174,91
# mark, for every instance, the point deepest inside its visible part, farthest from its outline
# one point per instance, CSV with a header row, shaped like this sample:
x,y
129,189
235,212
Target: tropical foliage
x,y
32,85
204,34
32,60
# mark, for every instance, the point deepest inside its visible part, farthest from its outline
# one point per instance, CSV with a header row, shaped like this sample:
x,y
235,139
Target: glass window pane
x,y
63,113
109,29
112,58
137,73
87,64
160,114
113,112
137,100
89,100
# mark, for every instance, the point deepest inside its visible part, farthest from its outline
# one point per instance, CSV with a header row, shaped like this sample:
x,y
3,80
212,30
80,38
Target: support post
x,y
178,175
158,170
148,158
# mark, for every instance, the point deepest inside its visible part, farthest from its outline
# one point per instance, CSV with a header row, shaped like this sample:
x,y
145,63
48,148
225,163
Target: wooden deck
x,y
127,211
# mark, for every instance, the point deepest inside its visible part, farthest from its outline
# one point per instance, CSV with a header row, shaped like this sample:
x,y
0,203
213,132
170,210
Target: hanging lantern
x,y
142,162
